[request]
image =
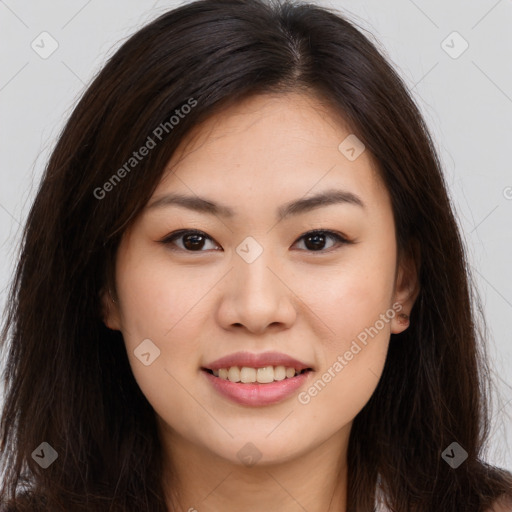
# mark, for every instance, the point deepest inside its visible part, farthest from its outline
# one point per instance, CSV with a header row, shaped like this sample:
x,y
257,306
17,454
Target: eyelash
x,y
169,239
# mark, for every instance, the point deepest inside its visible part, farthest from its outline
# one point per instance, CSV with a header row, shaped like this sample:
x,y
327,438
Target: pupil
x,y
195,242
315,237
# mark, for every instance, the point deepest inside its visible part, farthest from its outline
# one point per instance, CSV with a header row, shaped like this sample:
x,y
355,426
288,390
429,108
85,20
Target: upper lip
x,y
250,360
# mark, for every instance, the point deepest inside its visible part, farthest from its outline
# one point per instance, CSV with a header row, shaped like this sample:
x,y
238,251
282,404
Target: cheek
x,y
336,396
163,306
352,296
159,300
352,359
354,303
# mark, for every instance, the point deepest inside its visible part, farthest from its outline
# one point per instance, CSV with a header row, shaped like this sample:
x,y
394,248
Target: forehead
x,y
270,146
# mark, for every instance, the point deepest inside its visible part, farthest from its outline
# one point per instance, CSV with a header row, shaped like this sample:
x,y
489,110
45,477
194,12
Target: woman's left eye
x,y
194,241
318,237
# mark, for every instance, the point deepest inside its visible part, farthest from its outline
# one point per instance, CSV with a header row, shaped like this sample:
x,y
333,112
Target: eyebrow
x,y
296,207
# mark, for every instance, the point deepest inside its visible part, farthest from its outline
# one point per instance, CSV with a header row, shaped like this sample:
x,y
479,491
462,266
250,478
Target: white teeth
x,y
263,375
279,373
234,374
290,372
266,375
248,374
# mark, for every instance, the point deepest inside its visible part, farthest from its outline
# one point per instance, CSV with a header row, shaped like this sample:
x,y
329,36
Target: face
x,y
198,285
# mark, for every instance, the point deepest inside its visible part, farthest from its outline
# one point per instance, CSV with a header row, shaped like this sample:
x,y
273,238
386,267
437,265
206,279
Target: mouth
x,y
257,387
261,375
256,380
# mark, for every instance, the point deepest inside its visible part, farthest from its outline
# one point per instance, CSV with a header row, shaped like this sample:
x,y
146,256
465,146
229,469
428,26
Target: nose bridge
x,y
251,266
257,297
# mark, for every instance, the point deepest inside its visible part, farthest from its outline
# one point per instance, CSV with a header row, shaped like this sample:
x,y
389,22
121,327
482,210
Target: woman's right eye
x,y
191,240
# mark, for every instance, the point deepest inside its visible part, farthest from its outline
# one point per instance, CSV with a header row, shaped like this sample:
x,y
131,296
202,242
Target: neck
x,y
195,479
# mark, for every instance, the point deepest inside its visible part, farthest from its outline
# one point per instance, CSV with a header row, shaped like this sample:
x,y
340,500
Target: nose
x,y
256,296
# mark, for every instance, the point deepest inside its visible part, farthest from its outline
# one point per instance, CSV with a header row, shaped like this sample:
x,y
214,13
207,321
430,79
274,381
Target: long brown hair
x,y
68,379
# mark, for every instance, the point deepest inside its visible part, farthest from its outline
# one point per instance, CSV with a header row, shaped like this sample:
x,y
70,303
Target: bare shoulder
x,y
502,505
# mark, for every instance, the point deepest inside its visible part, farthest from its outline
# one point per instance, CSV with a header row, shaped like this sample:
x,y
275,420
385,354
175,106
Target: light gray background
x,y
467,102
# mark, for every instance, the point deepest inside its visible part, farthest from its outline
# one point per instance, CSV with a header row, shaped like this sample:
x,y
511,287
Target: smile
x,y
246,388
264,375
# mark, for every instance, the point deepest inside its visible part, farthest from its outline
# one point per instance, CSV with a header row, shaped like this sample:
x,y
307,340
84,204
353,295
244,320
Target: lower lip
x,y
257,394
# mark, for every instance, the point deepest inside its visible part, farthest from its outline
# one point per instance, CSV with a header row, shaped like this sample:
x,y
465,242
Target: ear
x,y
407,286
110,310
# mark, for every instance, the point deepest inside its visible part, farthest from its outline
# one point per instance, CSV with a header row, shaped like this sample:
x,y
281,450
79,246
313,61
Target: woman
x,y
242,273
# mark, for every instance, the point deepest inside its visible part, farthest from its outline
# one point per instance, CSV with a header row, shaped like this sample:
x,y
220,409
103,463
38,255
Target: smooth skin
x,y
198,301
